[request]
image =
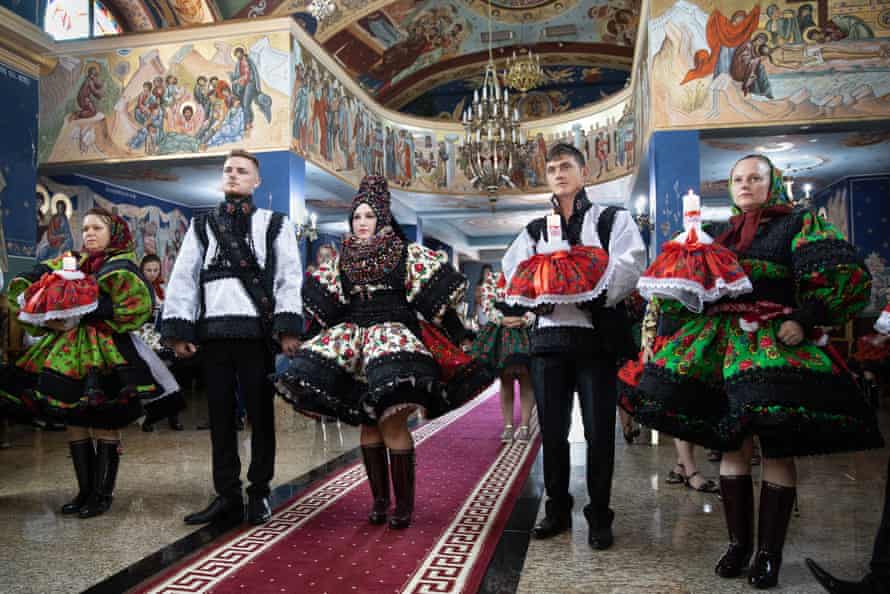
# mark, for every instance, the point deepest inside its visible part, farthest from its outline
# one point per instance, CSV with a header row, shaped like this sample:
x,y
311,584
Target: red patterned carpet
x,y
467,484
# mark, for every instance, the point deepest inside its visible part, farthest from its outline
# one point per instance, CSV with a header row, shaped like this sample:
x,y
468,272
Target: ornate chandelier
x,y
491,128
322,9
524,73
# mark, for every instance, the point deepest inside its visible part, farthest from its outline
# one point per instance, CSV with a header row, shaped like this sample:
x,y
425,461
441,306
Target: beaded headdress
x,y
373,191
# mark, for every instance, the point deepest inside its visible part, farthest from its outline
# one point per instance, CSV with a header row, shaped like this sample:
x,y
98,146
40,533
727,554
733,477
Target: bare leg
x,y
686,456
107,434
737,463
78,433
780,471
507,395
395,431
526,398
370,435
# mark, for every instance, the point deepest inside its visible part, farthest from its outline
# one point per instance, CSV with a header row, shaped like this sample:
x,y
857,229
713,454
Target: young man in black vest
x,y
575,348
234,289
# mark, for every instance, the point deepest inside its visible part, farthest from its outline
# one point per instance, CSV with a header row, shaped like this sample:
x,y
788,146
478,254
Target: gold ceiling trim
x,y
25,46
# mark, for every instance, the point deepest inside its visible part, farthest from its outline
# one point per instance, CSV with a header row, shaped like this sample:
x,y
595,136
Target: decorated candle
x,y
554,228
69,263
691,210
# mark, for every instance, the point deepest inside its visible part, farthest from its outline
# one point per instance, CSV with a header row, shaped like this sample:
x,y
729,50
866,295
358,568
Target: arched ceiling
x,y
419,56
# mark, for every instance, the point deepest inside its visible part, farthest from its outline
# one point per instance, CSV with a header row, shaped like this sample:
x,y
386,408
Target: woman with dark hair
x,y
756,364
91,372
374,363
151,271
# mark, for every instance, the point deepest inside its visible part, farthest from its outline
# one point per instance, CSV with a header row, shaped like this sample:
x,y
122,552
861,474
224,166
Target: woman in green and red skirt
x,y
89,372
502,344
755,365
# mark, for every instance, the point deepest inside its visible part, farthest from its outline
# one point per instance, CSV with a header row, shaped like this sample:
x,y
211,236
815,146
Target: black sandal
x,y
630,432
674,477
708,486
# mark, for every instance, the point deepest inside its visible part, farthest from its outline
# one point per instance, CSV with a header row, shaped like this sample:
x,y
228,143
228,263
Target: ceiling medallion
x,y
322,9
524,73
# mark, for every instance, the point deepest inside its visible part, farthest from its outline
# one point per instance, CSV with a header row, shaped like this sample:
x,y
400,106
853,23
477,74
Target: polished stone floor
x,y
667,536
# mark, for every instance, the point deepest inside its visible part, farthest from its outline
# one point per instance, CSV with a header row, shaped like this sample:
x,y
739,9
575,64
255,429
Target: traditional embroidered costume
x,y
370,359
692,268
66,294
498,346
234,290
714,382
97,373
574,348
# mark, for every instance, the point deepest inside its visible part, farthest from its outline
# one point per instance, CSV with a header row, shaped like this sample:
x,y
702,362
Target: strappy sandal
x,y
708,486
630,431
674,477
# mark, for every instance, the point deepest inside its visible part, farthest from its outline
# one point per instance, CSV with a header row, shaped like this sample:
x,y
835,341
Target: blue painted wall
x,y
674,161
18,164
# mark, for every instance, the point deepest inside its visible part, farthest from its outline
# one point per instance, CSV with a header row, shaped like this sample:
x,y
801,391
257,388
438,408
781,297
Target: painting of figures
x,y
789,61
157,230
199,97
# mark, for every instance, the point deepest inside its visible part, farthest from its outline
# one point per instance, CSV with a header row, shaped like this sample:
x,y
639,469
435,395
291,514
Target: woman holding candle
x,y
754,365
91,374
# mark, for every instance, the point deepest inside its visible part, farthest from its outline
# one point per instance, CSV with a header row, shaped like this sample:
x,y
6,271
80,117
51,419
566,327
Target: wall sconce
x,y
641,213
308,231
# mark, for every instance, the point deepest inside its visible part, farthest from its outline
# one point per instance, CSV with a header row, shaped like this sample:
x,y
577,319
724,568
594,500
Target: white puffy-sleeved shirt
x,y
570,328
207,300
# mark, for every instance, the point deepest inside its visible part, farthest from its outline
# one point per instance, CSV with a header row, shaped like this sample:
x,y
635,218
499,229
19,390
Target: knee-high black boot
x,y
107,462
83,455
738,507
402,467
776,504
377,468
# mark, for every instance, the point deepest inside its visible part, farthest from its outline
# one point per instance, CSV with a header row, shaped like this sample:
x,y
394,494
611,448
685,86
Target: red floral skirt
x,y
694,273
55,297
575,276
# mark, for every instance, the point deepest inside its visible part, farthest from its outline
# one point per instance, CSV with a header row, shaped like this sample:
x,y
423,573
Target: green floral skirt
x,y
714,384
501,348
86,376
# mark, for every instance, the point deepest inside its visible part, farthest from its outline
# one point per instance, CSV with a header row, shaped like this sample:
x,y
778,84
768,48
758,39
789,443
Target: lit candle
x,y
312,219
515,114
506,96
475,95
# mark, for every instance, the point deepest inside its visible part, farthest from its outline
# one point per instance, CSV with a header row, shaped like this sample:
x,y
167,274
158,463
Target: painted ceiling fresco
x,y
394,52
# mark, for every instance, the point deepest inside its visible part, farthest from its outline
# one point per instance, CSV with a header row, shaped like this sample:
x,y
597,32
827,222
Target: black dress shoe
x,y
258,510
836,586
147,427
600,536
551,525
220,509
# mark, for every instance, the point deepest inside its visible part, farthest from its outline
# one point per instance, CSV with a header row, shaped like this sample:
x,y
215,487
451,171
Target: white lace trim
x,y
561,299
70,274
882,325
40,319
690,293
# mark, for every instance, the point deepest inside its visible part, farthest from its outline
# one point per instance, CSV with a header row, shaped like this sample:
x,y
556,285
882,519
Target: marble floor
x,y
667,537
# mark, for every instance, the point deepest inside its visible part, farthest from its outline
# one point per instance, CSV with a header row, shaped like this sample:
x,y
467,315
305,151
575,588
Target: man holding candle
x,y
574,347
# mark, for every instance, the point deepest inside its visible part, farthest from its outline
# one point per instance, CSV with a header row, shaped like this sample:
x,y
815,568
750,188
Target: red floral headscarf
x,y
121,242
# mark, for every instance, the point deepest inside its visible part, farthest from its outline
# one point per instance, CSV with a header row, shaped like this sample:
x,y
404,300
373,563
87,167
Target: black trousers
x,y
880,557
249,363
555,378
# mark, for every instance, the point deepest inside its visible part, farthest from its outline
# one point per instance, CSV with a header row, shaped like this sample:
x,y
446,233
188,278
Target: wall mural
x,y
197,97
780,61
337,131
157,229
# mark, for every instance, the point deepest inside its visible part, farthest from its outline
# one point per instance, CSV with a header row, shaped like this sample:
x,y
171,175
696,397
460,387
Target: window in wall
x,y
79,19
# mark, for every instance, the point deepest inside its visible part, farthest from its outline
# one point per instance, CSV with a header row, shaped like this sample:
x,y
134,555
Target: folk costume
x,y
373,356
725,374
575,347
234,288
97,373
498,346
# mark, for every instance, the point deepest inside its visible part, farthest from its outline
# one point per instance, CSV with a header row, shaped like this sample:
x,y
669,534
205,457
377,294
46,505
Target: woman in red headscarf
x,y
374,363
756,364
91,373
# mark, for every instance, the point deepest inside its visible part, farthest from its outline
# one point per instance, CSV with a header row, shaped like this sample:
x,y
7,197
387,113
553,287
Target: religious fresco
x,y
780,61
566,87
388,48
157,228
173,99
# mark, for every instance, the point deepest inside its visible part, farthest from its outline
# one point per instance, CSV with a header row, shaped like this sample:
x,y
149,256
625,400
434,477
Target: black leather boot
x,y
738,508
776,503
600,536
83,455
377,468
402,468
107,462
